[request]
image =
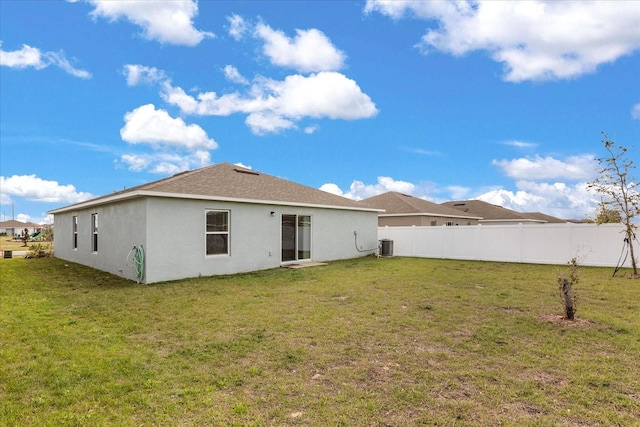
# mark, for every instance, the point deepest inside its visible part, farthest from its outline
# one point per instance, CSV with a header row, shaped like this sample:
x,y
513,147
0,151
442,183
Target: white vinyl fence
x,y
593,245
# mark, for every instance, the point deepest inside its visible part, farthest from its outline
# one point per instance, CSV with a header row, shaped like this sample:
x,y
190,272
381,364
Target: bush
x,y
39,250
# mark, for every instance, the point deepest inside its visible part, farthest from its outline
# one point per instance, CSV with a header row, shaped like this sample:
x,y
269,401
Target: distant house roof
x,y
228,182
12,223
395,204
544,217
490,212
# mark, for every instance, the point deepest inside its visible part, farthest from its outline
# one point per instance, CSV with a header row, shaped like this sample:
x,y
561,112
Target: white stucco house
x,y
15,228
220,219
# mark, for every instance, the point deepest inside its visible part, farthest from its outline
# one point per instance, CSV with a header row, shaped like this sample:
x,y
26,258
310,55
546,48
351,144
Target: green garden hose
x,y
138,261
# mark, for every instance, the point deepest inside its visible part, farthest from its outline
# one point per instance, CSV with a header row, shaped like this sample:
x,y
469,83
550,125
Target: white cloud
x,y
635,112
26,57
5,199
521,144
237,27
58,59
243,165
309,51
165,21
146,125
309,130
262,123
557,199
23,217
33,188
458,192
176,146
574,168
358,190
233,75
422,151
535,40
274,105
29,56
332,188
397,9
166,163
139,74
325,94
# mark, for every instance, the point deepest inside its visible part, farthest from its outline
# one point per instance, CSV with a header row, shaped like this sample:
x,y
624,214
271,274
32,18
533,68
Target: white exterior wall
x,y
333,233
172,233
176,237
120,226
594,245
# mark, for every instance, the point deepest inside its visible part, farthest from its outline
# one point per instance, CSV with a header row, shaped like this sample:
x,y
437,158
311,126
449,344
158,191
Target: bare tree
x,y
618,190
566,283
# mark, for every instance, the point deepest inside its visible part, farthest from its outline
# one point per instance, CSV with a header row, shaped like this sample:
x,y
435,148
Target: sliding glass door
x,y
296,237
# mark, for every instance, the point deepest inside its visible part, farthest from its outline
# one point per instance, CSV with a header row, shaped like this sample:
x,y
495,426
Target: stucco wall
x,y
120,227
172,232
176,237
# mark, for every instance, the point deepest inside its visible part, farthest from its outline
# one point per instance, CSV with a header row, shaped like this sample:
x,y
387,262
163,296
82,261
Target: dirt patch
x,y
561,320
541,378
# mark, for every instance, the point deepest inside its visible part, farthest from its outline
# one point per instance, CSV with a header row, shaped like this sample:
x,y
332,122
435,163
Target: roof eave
x,y
145,193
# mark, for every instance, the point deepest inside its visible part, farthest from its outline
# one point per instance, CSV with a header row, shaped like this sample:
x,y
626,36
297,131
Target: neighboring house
x,y
221,219
494,214
544,217
15,228
404,210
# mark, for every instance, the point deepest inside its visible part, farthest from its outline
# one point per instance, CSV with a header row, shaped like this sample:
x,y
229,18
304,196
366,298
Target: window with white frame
x,y
217,232
94,232
75,232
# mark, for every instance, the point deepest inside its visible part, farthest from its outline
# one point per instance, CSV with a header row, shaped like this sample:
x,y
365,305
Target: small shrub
x,y
47,233
39,250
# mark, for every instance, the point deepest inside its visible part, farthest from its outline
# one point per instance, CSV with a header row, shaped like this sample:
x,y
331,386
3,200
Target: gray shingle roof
x,y
543,217
12,223
227,181
489,212
395,203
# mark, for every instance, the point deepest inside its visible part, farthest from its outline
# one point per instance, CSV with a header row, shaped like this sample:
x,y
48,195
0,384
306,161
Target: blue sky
x,y
501,101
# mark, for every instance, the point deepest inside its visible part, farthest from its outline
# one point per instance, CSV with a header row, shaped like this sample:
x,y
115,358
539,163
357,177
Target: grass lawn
x,y
365,342
6,243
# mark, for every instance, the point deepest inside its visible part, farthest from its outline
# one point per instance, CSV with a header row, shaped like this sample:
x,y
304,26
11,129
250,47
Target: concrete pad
x,y
304,265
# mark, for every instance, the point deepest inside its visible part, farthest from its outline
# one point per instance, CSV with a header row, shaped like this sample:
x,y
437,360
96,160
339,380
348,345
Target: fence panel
x,y
594,245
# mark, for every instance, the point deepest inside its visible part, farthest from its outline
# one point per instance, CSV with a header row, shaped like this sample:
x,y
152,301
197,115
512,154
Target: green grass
x,y
9,244
396,341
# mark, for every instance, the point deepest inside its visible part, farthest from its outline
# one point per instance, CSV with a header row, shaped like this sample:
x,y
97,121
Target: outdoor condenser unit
x,y
386,247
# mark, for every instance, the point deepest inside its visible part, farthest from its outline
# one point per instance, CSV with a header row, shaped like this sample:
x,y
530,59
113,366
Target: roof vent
x,y
247,171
